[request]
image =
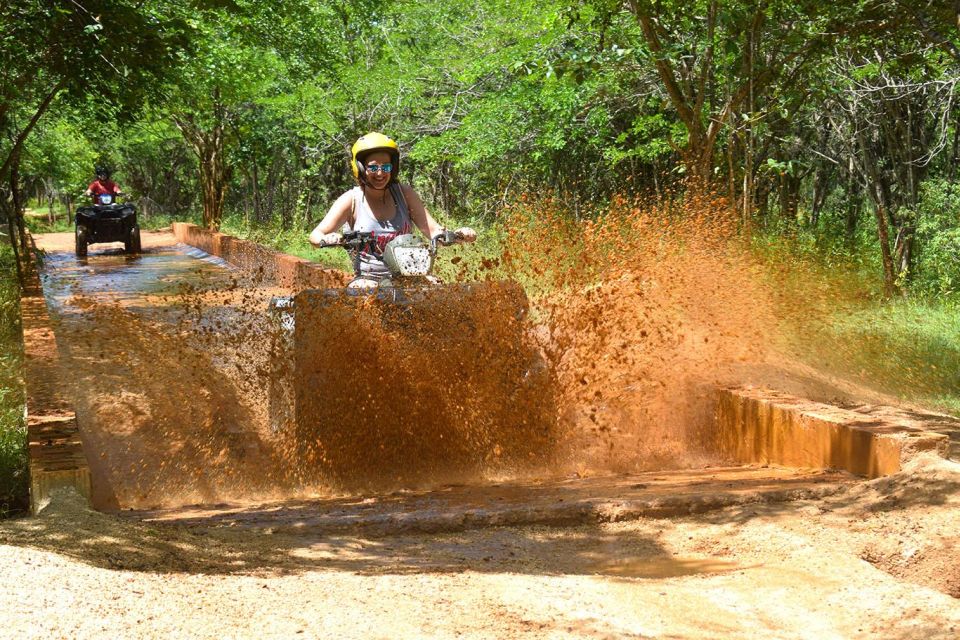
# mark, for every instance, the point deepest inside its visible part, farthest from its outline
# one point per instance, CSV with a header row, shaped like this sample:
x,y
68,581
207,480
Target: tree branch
x,y
22,136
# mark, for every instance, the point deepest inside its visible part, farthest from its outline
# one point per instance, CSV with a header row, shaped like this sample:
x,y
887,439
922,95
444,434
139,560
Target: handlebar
x,y
447,238
356,240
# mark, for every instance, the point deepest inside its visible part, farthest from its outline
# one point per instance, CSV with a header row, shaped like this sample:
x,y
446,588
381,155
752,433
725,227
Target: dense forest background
x,y
833,122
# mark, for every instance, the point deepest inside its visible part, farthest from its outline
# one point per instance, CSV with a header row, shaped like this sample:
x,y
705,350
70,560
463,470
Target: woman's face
x,y
378,179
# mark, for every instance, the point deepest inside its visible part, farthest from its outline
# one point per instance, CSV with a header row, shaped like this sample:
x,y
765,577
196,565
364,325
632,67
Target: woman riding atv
x,y
379,205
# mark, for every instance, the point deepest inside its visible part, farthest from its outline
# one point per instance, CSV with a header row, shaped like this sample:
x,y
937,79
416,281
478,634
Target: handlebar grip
x,y
447,237
355,240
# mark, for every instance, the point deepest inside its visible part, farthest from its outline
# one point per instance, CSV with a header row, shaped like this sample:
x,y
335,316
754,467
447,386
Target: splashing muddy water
x,y
604,358
173,362
643,313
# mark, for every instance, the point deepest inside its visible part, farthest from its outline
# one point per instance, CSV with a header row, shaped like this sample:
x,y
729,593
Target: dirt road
x,y
878,560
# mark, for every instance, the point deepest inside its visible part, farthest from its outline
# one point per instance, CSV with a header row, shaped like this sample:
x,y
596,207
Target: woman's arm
x,y
332,222
419,214
425,222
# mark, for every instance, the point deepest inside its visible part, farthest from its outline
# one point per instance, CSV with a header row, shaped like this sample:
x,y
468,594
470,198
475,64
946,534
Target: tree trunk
x,y
213,182
821,189
16,209
955,153
208,146
762,200
255,183
51,194
903,249
14,245
878,195
789,197
883,235
14,154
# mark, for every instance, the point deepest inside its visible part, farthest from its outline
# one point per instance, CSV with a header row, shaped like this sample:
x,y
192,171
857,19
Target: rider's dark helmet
x,y
103,173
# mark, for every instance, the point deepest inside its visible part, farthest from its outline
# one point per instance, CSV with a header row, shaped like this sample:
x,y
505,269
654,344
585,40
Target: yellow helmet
x,y
369,143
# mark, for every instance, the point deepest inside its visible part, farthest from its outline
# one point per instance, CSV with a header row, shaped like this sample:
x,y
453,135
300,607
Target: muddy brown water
x,y
173,362
152,344
171,358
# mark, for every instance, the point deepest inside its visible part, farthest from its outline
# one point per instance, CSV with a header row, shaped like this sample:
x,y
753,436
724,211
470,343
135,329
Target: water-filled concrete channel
x,y
169,356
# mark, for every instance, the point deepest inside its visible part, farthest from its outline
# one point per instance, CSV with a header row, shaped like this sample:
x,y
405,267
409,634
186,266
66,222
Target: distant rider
x,y
379,204
103,184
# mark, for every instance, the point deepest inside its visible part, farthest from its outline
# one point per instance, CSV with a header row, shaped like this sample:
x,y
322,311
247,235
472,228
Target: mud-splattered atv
x,y
107,221
411,262
413,381
409,259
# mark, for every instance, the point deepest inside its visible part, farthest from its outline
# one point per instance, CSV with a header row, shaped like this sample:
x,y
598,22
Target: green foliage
x,y
906,348
40,224
13,436
293,242
938,238
157,169
105,56
59,151
490,99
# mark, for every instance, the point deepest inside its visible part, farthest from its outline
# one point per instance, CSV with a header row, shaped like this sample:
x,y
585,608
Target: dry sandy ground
x,y
879,560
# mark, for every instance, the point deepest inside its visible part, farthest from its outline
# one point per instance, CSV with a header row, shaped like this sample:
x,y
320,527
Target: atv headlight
x,y
407,256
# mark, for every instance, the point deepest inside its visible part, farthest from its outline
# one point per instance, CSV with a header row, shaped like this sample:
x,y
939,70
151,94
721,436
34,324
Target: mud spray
x,y
581,347
643,313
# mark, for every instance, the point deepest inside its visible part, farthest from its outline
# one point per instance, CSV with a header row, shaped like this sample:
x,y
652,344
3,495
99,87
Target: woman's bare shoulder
x,y
409,192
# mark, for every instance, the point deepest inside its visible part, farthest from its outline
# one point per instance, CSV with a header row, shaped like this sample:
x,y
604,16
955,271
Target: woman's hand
x,y
326,239
466,234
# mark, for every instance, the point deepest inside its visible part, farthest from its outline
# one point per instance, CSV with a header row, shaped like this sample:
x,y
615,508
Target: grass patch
x,y
38,221
290,241
908,348
13,432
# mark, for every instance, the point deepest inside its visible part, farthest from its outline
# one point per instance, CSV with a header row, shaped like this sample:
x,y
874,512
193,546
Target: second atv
x,y
107,221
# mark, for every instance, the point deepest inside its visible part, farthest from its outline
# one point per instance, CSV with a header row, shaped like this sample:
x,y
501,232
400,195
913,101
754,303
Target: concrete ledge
x,y
56,456
656,494
261,262
769,427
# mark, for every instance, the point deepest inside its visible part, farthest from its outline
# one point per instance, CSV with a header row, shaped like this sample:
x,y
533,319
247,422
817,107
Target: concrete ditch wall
x,y
769,427
55,450
265,264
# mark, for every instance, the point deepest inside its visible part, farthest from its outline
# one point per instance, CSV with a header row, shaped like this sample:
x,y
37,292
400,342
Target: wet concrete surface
x,y
559,503
109,274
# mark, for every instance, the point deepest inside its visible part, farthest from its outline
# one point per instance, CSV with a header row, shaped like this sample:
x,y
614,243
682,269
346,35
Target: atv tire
x,y
81,240
132,243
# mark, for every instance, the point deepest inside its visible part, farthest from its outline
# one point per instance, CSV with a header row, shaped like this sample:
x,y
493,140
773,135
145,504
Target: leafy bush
x,y
903,347
13,435
292,241
937,268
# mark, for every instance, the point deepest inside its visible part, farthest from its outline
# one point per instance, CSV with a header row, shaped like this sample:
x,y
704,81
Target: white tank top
x,y
369,261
